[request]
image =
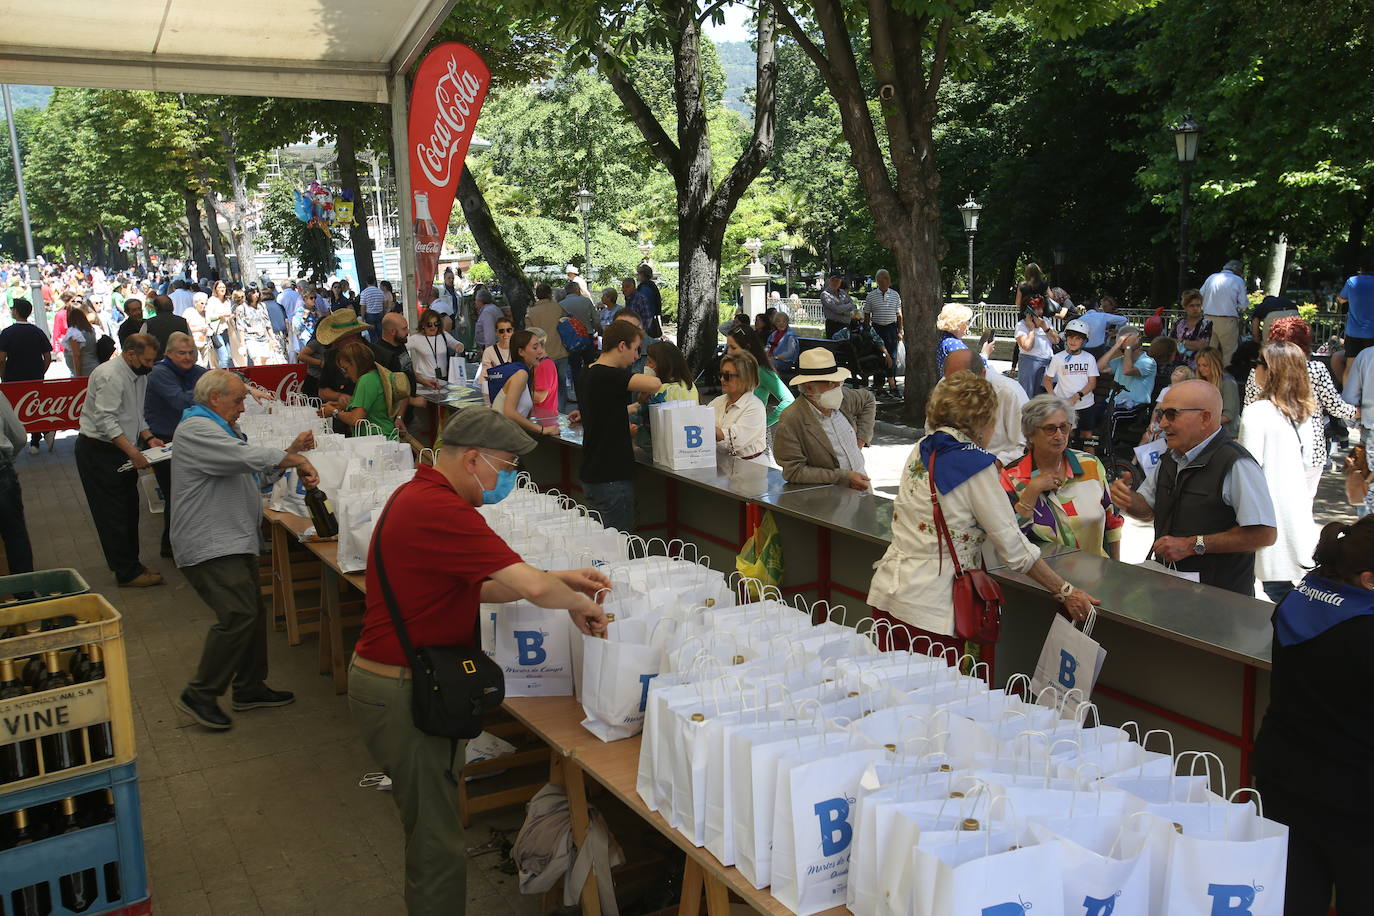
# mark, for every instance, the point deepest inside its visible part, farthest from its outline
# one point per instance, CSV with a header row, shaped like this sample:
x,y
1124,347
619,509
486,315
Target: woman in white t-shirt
x,y
431,350
1035,340
218,313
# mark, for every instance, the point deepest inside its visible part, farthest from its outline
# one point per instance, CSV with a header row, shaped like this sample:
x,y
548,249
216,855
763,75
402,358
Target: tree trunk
x,y
222,265
698,292
494,249
345,148
918,268
238,225
1278,264
1355,256
196,232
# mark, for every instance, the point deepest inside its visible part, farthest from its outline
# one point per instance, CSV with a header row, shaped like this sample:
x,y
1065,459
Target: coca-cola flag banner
x,y
450,85
48,406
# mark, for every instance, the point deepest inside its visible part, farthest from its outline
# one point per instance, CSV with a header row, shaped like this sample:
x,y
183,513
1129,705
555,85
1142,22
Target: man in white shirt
x,y
1223,302
181,298
575,279
1073,374
373,302
884,308
289,299
113,433
1007,442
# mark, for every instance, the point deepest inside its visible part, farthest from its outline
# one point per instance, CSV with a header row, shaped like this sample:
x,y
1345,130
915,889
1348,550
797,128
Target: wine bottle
x,y
33,668
62,750
18,759
78,889
321,513
36,899
98,737
78,664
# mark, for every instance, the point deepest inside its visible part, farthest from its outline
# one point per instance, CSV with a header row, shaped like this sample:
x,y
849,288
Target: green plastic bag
x,y
761,557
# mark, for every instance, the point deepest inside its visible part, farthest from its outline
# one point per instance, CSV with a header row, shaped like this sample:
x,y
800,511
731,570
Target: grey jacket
x,y
801,446
12,435
216,491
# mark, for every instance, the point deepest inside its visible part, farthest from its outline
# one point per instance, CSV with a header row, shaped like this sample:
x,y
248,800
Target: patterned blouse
x,y
948,344
1329,403
1079,514
1201,331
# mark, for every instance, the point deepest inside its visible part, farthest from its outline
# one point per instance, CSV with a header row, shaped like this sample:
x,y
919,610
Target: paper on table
x,y
1160,567
154,456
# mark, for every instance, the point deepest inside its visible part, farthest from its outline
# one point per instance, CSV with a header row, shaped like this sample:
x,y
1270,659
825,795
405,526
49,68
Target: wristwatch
x,y
1199,546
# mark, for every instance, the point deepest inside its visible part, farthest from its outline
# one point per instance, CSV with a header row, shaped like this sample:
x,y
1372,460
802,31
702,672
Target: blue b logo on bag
x,y
835,830
694,439
530,646
1067,666
1232,899
644,680
1092,906
1015,907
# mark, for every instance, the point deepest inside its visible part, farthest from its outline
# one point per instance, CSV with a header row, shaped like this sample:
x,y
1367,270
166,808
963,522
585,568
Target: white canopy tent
x,y
343,50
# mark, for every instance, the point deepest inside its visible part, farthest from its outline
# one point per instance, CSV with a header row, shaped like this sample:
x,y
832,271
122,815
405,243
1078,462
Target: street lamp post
x,y
584,206
787,252
970,211
35,281
1061,254
1186,135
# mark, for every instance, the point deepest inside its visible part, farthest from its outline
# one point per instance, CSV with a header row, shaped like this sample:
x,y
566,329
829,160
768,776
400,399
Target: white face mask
x,y
649,371
831,399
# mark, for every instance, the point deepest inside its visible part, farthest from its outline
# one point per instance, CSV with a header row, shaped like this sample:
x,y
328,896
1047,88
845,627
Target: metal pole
x,y
405,207
40,313
587,249
970,265
1183,228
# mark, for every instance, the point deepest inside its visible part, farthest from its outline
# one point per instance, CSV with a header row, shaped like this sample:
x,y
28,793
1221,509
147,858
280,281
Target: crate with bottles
x,y
41,585
64,691
74,846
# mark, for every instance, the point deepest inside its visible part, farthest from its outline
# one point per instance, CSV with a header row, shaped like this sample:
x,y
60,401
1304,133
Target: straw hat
x,y
336,324
818,365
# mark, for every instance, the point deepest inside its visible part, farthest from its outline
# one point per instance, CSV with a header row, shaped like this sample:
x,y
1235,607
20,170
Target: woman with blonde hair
x,y
1210,369
1276,431
953,323
741,420
913,582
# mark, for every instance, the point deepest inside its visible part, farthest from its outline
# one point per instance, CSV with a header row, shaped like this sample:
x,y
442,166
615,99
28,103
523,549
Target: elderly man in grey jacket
x,y
217,480
820,437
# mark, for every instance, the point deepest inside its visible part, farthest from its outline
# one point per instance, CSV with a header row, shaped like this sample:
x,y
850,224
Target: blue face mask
x,y
505,483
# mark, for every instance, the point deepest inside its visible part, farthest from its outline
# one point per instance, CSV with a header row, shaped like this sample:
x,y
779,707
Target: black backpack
x,y
104,348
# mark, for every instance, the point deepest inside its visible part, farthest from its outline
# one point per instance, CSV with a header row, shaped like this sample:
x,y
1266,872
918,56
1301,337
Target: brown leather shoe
x,y
145,579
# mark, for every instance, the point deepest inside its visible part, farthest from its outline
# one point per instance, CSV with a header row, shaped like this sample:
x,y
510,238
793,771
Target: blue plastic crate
x,y
119,841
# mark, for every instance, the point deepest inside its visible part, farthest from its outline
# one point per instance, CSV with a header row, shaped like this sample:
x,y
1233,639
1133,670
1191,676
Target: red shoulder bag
x,y
977,596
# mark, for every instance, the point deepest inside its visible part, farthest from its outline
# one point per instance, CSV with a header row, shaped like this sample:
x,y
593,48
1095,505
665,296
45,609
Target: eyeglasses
x,y
488,457
1171,413
727,376
505,330
1050,429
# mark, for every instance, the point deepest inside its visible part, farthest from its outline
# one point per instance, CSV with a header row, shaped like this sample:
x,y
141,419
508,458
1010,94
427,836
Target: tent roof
x,y
325,49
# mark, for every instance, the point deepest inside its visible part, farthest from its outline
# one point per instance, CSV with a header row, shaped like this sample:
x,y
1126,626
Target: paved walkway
x,y
266,818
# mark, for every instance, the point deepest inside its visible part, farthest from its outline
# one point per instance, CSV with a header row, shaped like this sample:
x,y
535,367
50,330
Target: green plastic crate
x,y
43,584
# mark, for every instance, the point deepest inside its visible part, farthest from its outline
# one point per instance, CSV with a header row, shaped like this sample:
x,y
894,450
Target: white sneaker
x,y
33,450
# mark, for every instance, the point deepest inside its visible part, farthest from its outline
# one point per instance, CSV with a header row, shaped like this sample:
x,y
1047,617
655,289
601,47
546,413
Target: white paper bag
x,y
683,435
457,369
1230,860
357,517
1106,864
1150,454
616,673
813,829
1070,660
157,501
532,647
988,873
288,493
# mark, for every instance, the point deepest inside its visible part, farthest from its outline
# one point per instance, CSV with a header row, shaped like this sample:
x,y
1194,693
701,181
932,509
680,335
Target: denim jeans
x,y
1031,374
888,333
1277,589
614,501
566,395
224,354
1367,437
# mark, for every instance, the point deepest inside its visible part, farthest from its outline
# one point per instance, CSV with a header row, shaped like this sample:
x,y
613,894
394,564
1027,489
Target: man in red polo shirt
x,y
442,561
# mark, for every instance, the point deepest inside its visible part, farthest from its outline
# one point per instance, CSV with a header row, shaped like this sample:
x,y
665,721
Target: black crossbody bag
x,y
451,686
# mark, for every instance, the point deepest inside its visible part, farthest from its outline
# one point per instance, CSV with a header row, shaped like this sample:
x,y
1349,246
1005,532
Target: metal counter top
x,y
1213,620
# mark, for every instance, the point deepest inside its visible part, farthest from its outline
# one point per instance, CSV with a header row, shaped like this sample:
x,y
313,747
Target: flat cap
x,y
482,427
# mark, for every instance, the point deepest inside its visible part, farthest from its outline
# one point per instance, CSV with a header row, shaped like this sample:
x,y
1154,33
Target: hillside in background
x,y
737,60
30,96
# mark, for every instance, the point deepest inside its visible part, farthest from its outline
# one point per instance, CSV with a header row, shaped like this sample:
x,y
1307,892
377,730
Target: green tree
x,y
911,44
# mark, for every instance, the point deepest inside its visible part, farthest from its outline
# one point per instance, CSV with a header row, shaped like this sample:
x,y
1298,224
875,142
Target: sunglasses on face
x,y
1171,413
431,324
727,376
505,330
1050,429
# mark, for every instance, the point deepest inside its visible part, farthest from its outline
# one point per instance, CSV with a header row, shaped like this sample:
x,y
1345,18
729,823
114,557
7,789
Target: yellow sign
x,y
53,711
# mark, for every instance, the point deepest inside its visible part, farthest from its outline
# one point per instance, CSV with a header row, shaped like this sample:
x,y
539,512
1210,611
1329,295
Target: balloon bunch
x,y
130,240
321,207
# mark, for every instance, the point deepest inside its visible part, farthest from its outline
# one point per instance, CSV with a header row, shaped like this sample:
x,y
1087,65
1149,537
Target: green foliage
x,y
311,249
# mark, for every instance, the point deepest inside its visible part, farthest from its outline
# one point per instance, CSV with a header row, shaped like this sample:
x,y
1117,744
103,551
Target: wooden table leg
x,y
564,772
717,896
331,631
693,880
281,554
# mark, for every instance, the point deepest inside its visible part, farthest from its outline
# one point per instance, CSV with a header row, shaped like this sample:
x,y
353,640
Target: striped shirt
x,y
373,300
883,307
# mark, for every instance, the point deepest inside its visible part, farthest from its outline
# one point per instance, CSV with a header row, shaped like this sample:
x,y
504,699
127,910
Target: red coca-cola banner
x,y
46,406
450,85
